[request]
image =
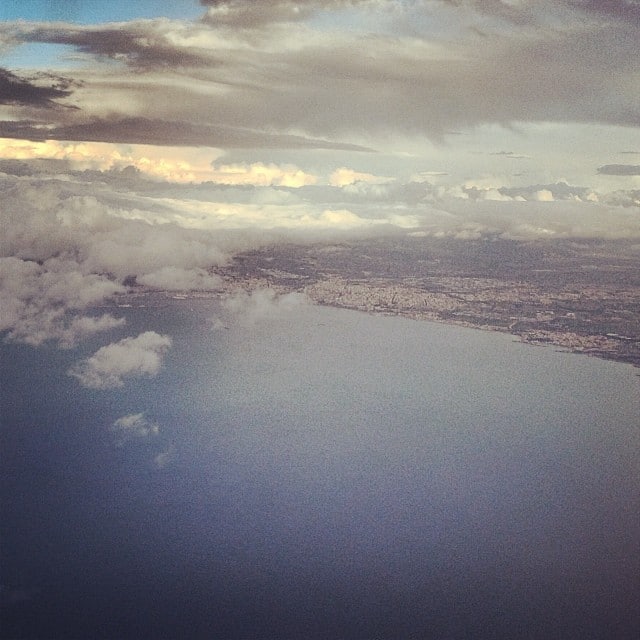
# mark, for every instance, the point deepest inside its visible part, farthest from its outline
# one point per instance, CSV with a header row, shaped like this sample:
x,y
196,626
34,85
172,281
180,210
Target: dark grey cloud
x,y
169,133
515,13
273,86
143,43
625,10
375,84
521,13
512,155
152,43
40,91
33,167
619,170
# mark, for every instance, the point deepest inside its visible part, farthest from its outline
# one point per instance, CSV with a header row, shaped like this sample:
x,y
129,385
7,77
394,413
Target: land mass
x,y
581,295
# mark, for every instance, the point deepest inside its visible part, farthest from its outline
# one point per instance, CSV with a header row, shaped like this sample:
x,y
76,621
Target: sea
x,y
317,473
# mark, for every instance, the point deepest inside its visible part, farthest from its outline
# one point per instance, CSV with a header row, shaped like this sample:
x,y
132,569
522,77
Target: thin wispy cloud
x,y
620,169
134,426
164,458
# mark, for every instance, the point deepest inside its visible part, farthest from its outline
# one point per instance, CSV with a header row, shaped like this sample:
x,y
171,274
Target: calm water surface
x,y
322,474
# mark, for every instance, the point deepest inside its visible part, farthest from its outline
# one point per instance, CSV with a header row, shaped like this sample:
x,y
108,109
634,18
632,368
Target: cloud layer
x,y
420,68
80,225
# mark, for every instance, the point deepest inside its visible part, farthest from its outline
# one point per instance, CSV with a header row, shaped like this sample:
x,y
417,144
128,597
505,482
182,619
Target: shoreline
x,y
606,347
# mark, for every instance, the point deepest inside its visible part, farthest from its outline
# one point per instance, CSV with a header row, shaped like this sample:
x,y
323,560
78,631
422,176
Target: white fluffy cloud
x,y
250,307
177,279
136,357
40,302
67,246
176,164
132,426
344,176
261,174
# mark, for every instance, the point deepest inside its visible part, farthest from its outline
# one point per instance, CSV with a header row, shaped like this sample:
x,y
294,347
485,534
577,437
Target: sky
x,y
152,140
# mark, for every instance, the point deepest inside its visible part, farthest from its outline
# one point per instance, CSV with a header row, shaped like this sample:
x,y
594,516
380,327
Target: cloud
x,y
178,164
31,92
133,426
109,232
529,220
164,458
550,192
261,174
522,13
254,14
40,302
174,164
242,78
622,10
78,227
629,198
345,176
492,194
619,170
236,111
425,176
511,155
251,307
72,238
176,279
543,195
129,358
183,164
140,43
250,14
141,130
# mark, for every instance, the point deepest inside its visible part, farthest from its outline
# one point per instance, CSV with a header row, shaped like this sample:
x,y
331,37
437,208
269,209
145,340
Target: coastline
x,y
582,297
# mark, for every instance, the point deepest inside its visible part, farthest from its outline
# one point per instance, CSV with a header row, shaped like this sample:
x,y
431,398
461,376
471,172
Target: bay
x,y
321,473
